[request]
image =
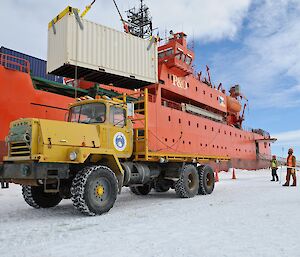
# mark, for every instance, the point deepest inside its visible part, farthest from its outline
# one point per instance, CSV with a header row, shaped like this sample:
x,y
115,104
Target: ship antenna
x,y
140,21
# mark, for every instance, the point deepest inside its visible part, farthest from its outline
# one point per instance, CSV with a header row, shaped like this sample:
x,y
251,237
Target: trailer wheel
x,y
37,198
94,190
141,190
188,184
206,180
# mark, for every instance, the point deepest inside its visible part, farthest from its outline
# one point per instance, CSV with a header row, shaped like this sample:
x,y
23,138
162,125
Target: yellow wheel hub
x,y
100,190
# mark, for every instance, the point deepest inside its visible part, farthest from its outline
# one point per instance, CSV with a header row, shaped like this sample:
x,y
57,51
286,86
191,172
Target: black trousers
x,y
274,174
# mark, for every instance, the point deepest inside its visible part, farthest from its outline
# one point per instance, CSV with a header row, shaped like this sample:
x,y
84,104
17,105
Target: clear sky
x,y
254,43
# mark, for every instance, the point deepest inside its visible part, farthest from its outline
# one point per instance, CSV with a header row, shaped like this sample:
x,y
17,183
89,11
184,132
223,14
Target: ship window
x,y
188,60
206,145
205,127
188,84
225,147
240,136
179,121
166,139
200,144
197,125
213,146
189,123
219,130
183,142
178,56
169,52
117,116
161,55
168,76
203,92
230,133
211,95
269,144
183,57
169,118
173,140
225,132
190,143
212,128
196,89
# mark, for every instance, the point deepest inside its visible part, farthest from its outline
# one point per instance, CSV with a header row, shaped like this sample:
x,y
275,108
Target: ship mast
x,y
140,21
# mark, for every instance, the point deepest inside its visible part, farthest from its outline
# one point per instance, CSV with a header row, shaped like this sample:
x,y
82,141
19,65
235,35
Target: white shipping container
x,y
101,54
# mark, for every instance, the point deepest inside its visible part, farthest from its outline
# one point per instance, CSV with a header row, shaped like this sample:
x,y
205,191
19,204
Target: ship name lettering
x,y
178,82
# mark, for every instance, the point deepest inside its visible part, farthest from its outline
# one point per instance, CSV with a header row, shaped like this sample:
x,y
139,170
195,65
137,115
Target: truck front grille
x,y
19,149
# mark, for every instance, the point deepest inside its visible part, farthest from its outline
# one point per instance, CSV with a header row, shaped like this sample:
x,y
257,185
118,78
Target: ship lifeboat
x,y
233,105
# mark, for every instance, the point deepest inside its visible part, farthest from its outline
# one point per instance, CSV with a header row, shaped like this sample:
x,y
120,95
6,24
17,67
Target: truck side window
x,y
117,116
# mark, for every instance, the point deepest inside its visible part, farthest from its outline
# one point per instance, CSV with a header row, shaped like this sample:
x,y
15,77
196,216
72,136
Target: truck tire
x,y
37,198
141,190
188,184
206,180
94,190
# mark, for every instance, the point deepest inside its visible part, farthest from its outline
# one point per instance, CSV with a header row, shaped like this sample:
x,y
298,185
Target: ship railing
x,y
14,63
168,103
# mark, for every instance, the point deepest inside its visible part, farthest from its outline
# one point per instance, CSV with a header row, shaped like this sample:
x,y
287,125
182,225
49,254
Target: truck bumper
x,y
33,170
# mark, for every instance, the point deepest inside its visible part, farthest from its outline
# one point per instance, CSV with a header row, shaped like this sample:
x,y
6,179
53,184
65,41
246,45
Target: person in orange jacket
x,y
291,171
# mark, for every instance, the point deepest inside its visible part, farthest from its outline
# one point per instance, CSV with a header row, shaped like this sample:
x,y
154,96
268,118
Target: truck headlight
x,y
73,156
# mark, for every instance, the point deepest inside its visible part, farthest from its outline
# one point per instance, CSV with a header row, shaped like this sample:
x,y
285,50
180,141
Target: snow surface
x,y
250,216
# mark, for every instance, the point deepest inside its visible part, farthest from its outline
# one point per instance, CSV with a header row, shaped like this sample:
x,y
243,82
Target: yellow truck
x,y
93,154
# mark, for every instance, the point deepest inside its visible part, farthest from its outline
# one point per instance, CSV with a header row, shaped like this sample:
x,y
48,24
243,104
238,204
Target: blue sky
x,y
254,43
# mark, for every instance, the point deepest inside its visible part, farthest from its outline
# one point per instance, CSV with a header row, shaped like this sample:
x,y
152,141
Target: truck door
x,y
120,133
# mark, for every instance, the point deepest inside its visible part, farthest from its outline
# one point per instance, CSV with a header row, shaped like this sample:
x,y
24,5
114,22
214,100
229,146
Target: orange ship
x,y
187,114
190,115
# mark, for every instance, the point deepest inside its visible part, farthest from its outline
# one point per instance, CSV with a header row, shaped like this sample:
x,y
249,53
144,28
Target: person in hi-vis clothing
x,y
291,169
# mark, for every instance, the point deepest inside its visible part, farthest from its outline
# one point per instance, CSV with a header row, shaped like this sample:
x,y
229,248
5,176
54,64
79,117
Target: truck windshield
x,y
88,113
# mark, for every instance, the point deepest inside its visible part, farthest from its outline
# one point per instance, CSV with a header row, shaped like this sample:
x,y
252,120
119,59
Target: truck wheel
x,y
188,184
141,190
94,190
160,186
37,198
206,180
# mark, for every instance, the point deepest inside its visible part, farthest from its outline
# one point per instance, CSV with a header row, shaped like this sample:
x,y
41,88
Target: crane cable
x,y
87,8
125,25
